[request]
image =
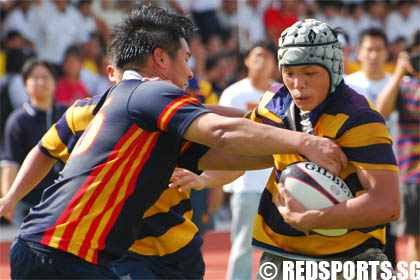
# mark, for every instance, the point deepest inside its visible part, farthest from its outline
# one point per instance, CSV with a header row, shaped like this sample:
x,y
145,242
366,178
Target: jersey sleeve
x,y
56,141
190,155
158,105
13,141
365,140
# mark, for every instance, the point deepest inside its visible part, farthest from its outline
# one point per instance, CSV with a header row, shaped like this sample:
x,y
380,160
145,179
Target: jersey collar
x,y
132,75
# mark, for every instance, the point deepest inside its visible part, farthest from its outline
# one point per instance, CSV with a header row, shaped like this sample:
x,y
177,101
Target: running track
x,y
215,250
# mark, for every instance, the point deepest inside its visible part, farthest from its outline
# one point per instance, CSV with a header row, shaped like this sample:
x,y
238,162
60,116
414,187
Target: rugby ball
x,y
315,188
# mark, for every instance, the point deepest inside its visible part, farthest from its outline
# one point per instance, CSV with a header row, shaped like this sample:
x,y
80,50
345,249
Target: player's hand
x,y
7,207
326,153
185,180
403,65
292,211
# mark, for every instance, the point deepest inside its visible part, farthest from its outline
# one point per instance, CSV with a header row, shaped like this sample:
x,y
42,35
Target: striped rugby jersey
x,y
117,170
360,130
408,142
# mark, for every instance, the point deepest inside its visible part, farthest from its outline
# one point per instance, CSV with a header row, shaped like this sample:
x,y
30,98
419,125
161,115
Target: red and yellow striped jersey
x,y
119,167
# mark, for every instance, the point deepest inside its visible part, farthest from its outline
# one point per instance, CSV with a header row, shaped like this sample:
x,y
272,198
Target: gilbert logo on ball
x,y
315,188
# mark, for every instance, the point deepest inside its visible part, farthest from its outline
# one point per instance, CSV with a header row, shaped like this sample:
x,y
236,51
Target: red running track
x,y
215,250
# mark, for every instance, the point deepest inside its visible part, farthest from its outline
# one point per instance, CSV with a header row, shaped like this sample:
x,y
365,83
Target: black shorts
x,y
409,222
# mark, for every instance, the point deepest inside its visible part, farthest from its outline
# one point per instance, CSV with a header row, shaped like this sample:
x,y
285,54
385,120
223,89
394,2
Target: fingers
x,y
179,181
341,157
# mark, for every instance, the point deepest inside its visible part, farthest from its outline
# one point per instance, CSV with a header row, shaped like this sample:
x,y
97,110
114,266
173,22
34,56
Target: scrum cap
x,y
310,41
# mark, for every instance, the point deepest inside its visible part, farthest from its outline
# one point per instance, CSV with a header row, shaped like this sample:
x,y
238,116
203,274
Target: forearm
x,y
245,137
242,136
379,205
225,111
219,178
8,175
34,168
218,160
387,99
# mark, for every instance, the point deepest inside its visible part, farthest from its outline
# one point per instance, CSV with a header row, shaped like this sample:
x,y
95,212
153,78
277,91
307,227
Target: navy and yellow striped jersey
x,y
360,130
120,166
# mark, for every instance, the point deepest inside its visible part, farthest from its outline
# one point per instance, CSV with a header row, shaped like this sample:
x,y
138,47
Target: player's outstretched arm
x,y
226,111
380,204
185,179
245,137
34,168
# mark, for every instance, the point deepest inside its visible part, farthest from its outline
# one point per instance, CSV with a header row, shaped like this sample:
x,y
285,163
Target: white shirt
x,y
16,20
53,32
371,90
398,26
368,88
243,95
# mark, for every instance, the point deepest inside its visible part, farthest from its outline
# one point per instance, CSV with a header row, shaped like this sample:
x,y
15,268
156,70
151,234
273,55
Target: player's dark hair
x,y
145,29
31,63
373,32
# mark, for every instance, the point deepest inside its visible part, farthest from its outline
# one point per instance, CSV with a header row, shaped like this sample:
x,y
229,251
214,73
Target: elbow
x,y
218,138
396,213
393,211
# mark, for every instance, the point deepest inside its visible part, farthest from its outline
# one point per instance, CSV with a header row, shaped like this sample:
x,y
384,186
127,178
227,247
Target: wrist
x,y
311,218
304,145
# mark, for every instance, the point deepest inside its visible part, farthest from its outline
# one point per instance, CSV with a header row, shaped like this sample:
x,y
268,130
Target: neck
x,y
260,83
374,75
44,105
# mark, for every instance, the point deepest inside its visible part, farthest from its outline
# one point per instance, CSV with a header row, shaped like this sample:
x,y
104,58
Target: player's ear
x,y
160,58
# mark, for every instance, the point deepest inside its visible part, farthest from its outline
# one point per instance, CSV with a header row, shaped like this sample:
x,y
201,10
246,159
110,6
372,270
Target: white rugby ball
x,y
315,188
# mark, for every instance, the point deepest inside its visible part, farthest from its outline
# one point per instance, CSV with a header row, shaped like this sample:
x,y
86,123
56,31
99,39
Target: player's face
x,y
180,72
308,85
40,83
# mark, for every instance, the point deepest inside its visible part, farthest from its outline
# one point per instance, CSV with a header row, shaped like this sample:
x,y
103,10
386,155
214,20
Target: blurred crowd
x,y
72,35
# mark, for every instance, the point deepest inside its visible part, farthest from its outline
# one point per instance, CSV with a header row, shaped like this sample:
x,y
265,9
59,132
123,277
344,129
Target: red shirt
x,y
67,92
276,21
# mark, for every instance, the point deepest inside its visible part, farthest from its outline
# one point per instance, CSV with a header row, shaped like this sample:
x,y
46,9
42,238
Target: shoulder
x,y
18,114
18,118
153,88
348,102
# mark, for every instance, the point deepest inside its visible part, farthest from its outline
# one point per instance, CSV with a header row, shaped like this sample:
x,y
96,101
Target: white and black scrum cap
x,y
310,41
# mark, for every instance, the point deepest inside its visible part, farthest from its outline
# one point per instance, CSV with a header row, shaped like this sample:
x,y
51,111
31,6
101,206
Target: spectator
x,y
245,95
370,81
55,28
372,55
227,15
219,71
91,23
69,87
25,127
251,24
204,15
401,16
402,93
12,87
17,20
377,13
